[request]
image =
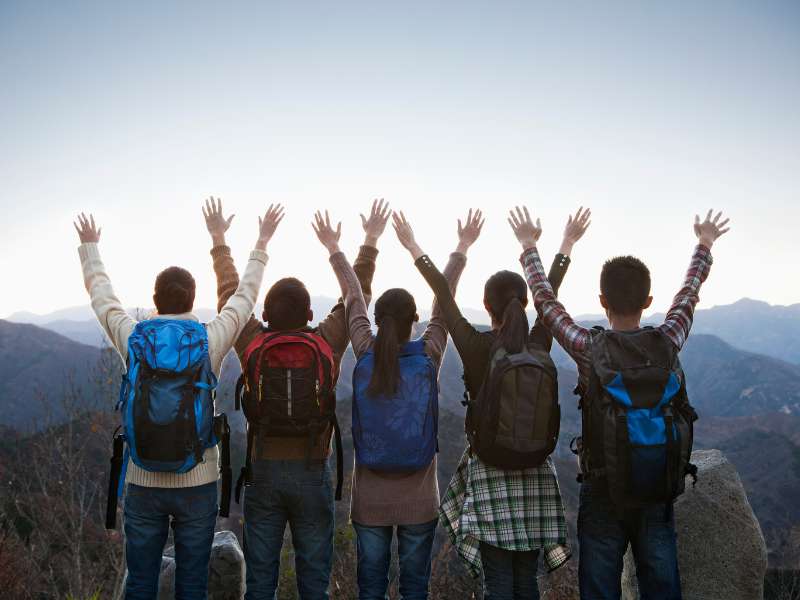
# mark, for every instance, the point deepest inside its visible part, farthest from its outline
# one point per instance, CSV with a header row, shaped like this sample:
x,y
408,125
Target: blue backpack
x,y
638,425
397,433
167,403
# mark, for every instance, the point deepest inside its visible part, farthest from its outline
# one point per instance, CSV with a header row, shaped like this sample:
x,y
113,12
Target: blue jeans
x,y
414,545
508,574
604,539
300,494
149,512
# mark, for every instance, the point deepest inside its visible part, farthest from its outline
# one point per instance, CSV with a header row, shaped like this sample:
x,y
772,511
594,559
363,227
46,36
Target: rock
x,y
721,550
225,570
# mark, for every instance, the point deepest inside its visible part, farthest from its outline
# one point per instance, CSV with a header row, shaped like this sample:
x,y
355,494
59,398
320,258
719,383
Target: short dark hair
x,y
174,291
287,304
625,283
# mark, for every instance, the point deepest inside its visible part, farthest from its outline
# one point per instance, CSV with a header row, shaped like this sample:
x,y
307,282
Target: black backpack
x,y
514,421
288,389
637,421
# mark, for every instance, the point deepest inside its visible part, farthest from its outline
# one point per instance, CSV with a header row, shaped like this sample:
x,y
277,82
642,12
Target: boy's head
x,y
288,305
625,287
174,291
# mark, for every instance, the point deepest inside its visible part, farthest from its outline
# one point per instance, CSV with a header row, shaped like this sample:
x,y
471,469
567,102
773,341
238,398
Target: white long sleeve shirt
x,y
223,330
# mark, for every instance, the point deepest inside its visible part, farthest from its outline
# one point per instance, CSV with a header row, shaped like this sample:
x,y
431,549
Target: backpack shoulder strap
x,y
254,344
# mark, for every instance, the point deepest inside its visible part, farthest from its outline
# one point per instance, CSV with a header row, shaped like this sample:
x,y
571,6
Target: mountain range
x,y
749,404
750,325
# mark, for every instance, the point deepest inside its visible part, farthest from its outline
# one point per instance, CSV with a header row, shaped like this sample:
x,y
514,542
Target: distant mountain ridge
x,y
750,325
749,407
38,367
754,326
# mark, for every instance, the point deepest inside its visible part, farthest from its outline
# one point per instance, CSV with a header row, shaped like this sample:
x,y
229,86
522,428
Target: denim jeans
x,y
149,512
604,539
509,574
414,545
298,493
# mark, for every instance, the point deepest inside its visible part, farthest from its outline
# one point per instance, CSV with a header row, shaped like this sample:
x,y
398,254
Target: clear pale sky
x,y
647,112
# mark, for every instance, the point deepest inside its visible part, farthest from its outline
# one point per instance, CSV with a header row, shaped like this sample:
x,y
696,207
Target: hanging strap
x,y
337,434
672,446
237,396
114,480
225,473
244,475
620,487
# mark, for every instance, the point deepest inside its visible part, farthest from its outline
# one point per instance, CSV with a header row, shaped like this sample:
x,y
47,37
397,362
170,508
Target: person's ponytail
x,y
505,295
386,370
513,332
395,313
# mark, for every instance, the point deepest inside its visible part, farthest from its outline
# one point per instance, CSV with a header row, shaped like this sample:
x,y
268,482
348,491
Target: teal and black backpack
x,y
167,406
637,421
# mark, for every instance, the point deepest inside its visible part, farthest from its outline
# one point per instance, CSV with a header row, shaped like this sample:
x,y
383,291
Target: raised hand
x,y
709,230
216,223
327,235
375,225
523,227
470,231
575,228
406,235
268,224
88,232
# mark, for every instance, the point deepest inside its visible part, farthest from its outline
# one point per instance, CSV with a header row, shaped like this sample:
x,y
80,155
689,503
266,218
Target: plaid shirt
x,y
513,510
577,340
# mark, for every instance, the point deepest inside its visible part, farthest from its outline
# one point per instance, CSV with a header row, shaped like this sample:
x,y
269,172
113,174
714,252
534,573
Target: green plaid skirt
x,y
514,510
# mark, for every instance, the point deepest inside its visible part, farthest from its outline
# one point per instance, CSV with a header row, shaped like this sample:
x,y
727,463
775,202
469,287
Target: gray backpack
x,y
514,421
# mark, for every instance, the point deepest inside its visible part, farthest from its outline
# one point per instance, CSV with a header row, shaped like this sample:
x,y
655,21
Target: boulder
x,y
225,570
721,550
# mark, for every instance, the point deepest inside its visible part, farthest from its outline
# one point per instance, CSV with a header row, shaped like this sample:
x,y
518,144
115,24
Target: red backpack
x,y
288,389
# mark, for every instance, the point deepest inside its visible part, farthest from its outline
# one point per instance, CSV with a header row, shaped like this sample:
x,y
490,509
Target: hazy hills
x,y
749,325
749,405
38,368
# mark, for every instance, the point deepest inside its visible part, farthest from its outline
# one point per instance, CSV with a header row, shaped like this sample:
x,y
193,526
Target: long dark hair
x,y
506,296
395,313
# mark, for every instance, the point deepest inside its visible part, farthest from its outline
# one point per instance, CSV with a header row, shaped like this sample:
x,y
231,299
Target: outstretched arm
x,y
573,231
355,307
435,335
228,324
117,324
225,269
465,337
334,327
679,318
572,337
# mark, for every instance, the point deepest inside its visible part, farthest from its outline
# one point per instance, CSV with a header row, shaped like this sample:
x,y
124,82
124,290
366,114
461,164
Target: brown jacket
x,y
333,329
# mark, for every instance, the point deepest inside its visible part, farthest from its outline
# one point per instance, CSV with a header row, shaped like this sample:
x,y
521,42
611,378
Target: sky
x,y
647,112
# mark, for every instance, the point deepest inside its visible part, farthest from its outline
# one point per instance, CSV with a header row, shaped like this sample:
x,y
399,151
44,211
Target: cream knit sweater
x,y
222,333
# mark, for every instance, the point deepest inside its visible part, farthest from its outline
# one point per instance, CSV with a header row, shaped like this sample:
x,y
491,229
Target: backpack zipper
x,y
289,391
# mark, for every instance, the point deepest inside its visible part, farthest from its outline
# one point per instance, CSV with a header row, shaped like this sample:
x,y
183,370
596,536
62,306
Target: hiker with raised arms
x,y
503,507
637,423
395,422
170,460
287,392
